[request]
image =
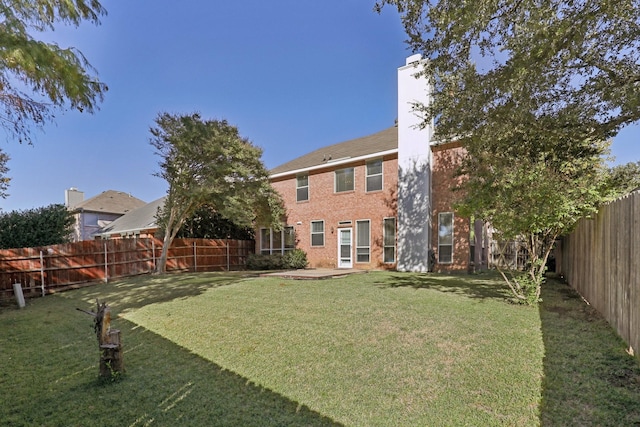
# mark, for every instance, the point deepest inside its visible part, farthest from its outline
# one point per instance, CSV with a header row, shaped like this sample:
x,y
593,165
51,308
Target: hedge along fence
x,y
48,269
601,260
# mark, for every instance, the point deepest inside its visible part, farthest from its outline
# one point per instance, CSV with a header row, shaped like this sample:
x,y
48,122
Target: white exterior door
x,y
345,243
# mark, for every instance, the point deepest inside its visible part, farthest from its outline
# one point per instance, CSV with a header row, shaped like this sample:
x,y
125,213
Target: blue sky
x,y
292,75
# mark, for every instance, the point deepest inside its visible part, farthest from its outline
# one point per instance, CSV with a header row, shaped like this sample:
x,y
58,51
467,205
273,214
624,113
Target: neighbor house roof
x,y
110,201
383,142
143,218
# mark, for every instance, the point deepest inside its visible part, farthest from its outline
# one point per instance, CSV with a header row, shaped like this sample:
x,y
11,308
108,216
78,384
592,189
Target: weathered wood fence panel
x,y
44,270
601,260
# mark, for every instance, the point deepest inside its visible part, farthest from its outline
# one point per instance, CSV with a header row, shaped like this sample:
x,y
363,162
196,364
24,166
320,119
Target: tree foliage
x,y
44,226
55,76
206,223
624,178
577,61
37,77
532,88
4,179
208,163
531,193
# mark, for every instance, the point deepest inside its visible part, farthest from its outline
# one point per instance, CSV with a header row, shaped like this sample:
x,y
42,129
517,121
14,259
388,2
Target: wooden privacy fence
x,y
601,260
46,269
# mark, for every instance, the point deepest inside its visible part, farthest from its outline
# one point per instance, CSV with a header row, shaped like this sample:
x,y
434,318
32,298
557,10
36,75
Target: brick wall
x,y
446,158
335,208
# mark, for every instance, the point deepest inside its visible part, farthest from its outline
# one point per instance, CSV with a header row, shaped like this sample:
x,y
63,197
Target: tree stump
x,y
109,342
111,362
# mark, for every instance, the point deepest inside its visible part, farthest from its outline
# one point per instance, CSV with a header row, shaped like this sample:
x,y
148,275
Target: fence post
x,y
17,291
106,264
42,272
195,257
153,253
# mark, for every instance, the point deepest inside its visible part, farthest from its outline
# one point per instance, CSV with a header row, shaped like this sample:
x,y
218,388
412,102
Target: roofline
x,y
130,230
337,162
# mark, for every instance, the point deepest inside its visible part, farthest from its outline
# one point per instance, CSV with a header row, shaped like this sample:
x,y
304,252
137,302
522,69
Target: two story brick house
x,y
383,201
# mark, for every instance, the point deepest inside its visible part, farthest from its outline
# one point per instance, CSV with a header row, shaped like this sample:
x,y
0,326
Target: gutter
x,y
334,163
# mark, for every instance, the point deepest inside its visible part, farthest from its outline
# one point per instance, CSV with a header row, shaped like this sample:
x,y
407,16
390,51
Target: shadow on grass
x,y
164,384
589,380
136,292
482,286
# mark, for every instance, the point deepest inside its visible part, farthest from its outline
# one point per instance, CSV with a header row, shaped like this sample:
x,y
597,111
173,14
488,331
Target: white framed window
x,y
344,180
374,175
317,233
363,241
472,240
445,237
265,241
389,240
277,242
302,188
288,239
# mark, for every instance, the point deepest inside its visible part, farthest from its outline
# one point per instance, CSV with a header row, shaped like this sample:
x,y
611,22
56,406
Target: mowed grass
x,y
385,349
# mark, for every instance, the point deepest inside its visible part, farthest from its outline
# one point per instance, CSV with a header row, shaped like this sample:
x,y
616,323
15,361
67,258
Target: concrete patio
x,y
314,273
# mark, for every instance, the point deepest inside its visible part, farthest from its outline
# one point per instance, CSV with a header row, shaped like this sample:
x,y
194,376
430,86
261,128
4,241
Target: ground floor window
x,y
472,240
389,240
363,241
317,233
445,237
277,241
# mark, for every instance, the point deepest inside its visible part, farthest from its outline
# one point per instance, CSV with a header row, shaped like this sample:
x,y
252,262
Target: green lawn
x,y
385,349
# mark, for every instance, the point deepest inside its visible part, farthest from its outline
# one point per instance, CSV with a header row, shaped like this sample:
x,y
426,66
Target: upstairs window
x,y
302,188
344,180
374,175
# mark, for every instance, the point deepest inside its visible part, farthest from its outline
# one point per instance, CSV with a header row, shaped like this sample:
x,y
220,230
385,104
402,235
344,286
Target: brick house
x,y
383,201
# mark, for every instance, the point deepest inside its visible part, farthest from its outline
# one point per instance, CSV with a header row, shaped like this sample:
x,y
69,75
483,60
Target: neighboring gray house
x,y
140,222
97,212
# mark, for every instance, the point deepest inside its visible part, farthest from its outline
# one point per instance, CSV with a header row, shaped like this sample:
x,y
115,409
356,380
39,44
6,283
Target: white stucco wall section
x,y
414,169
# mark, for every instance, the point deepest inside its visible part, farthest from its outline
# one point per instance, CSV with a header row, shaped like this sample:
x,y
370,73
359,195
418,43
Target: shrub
x,y
295,259
265,262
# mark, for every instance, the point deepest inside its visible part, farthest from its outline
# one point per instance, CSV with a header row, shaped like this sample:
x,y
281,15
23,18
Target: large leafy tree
x,y
50,225
558,58
208,163
532,188
532,88
36,76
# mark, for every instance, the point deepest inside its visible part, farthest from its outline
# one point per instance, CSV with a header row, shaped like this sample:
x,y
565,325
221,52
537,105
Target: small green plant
x,y
295,259
529,289
112,376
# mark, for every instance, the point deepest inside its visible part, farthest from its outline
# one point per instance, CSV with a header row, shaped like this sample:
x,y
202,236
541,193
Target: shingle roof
x,y
139,219
111,201
382,141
